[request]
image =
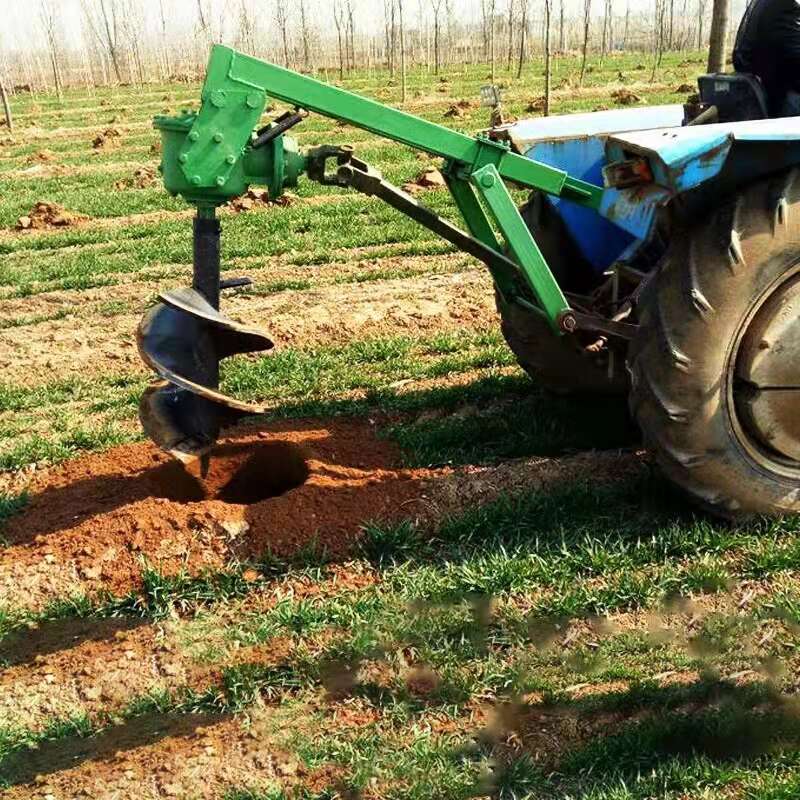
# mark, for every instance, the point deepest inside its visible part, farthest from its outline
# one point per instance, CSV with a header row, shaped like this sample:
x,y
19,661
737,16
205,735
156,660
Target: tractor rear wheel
x,y
716,364
558,363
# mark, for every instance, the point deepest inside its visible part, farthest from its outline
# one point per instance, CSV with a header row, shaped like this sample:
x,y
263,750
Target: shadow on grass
x,y
63,752
593,746
57,635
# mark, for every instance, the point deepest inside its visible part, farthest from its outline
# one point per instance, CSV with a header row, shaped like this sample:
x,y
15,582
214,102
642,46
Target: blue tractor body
x,y
697,164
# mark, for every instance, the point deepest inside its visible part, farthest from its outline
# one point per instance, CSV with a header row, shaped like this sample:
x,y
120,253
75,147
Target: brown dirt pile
x,y
142,178
92,522
459,109
48,215
259,198
686,88
429,178
40,157
536,106
110,137
625,97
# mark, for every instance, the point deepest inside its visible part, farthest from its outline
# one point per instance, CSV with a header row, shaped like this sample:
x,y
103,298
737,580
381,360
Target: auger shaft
x,y
206,254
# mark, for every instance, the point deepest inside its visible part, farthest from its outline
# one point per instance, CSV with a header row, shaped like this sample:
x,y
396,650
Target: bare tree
x,y
402,51
282,21
510,34
659,32
702,6
6,104
436,5
719,34
547,58
110,29
340,22
133,30
523,32
607,32
164,47
202,18
627,26
51,23
305,35
351,33
492,37
562,34
246,29
587,22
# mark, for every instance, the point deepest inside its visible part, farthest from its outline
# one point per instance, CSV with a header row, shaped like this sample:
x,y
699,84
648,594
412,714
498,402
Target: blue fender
x,y
703,160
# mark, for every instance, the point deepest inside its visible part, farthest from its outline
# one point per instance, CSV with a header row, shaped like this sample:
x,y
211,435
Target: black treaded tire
x,y
693,316
558,363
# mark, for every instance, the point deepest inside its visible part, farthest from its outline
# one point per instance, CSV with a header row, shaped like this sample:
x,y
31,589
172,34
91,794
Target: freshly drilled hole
x,y
241,474
273,469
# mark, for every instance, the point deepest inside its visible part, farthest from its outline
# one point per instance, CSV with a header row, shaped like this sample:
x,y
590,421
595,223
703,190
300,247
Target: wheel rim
x,y
766,379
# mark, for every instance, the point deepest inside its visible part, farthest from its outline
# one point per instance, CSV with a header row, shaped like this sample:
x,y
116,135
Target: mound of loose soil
x,y
259,198
142,178
685,88
91,522
535,106
48,215
40,157
110,137
458,109
625,97
429,178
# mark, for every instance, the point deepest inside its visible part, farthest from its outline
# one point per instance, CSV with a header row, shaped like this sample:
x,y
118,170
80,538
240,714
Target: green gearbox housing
x,y
187,156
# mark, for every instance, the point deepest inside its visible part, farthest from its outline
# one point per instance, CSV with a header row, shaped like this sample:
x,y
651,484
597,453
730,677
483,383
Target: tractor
x,y
657,257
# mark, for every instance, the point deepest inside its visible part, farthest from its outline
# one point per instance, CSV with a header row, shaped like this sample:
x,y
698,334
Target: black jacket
x,y
768,45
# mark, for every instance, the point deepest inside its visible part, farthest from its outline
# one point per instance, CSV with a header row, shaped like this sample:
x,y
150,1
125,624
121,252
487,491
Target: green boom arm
x,y
234,97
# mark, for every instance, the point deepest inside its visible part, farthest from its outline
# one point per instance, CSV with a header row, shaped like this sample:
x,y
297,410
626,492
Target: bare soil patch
x,y
164,755
46,215
93,344
92,523
429,178
259,198
142,178
110,137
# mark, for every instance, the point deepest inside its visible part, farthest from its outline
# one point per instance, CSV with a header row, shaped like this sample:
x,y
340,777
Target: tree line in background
x,y
134,41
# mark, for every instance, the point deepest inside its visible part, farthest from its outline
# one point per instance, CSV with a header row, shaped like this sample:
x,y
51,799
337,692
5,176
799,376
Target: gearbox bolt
x,y
193,136
487,181
218,137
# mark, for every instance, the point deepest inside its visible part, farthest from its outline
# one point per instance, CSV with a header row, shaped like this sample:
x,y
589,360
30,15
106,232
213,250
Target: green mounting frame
x,y
212,159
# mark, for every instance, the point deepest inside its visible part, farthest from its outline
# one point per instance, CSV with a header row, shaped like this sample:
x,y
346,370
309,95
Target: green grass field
x,y
585,638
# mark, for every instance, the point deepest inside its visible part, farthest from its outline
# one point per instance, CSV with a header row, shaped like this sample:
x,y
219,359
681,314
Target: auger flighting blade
x,y
183,339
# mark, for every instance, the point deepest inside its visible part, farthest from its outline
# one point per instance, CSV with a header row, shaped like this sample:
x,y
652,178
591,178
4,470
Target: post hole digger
x,y
653,258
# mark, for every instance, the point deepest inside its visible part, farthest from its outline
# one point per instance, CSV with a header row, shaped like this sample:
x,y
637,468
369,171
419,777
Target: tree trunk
x,y
587,20
492,37
719,36
510,34
6,105
547,58
562,37
522,36
402,52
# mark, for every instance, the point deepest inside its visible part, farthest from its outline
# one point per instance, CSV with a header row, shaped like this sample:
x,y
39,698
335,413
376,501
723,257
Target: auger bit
x,y
183,339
